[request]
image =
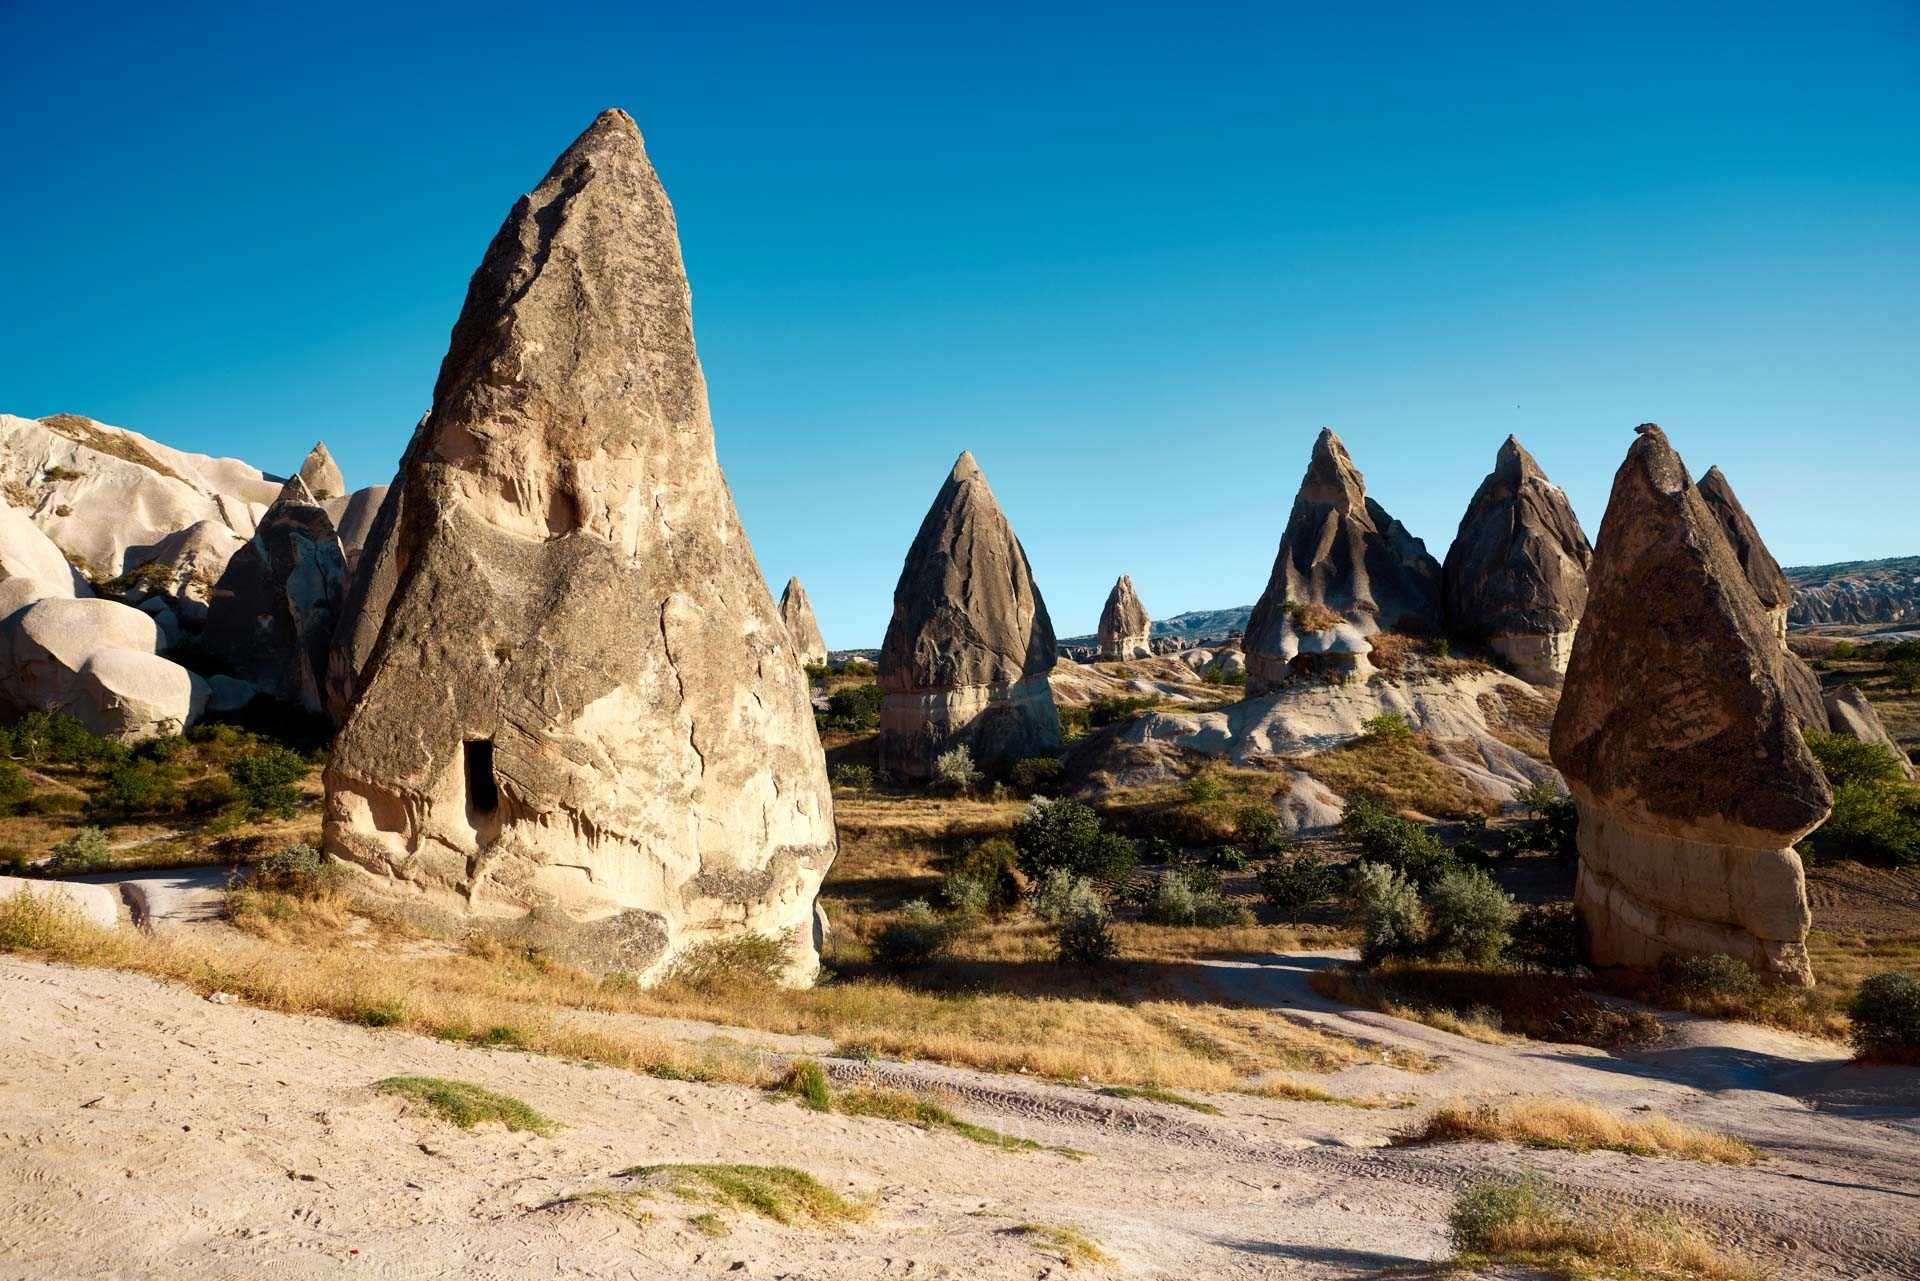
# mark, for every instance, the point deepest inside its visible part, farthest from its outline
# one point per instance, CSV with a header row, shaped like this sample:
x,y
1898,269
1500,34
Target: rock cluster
x,y
1345,570
1125,629
1675,736
1516,575
581,722
968,650
796,611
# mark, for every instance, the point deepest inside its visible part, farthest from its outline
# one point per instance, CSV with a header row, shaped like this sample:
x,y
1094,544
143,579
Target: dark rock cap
x,y
1519,561
1761,569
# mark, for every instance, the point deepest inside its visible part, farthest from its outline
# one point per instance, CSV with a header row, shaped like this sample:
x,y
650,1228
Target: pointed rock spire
x,y
1761,569
579,721
1125,629
1516,575
967,653
1343,554
322,474
1675,735
796,611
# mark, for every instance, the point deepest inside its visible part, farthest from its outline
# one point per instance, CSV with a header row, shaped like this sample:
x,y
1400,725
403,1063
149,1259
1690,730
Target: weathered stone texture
x,y
1125,629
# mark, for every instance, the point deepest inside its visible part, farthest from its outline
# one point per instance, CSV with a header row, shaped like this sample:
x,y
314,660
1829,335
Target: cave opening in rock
x,y
483,791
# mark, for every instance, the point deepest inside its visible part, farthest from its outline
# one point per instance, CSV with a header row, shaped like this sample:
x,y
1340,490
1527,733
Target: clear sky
x,y
1133,256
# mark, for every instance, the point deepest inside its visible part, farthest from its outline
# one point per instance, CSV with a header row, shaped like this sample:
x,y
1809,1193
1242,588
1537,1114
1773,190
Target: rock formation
x,y
581,723
796,611
1849,713
353,518
967,653
1345,570
321,474
274,610
1675,736
1858,591
1516,575
1125,629
1756,562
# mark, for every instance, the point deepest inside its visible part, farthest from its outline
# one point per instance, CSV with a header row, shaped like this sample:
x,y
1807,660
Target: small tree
x,y
80,849
1392,921
1059,894
954,771
1296,880
1886,1018
913,938
266,781
1066,834
1085,936
1468,916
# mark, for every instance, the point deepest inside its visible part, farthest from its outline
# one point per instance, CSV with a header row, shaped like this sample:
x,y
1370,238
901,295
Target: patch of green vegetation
x,y
628,1205
464,1104
807,1081
777,1192
1075,1248
709,1224
1155,1094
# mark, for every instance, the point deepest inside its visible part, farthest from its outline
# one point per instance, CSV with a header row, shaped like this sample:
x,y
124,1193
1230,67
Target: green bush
x,y
994,867
1175,900
853,709
265,782
1886,1017
1469,917
55,738
81,850
14,787
1259,830
1550,936
1386,728
954,771
1085,936
739,962
1486,1213
1296,880
1393,924
136,786
295,869
1067,835
1395,842
1843,651
1036,775
851,778
1059,894
913,938
1216,675
1111,711
1203,787
1704,976
1876,812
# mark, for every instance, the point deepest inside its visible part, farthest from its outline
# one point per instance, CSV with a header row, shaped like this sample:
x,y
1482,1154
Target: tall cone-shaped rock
x,y
1125,629
1516,575
581,722
796,611
1345,570
272,614
1756,562
322,475
967,653
1675,735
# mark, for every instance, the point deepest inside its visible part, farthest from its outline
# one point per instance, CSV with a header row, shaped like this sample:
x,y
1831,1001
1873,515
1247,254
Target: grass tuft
x,y
1074,1248
807,1081
1295,1092
776,1192
464,1104
925,1114
1519,1222
1155,1094
1575,1127
628,1205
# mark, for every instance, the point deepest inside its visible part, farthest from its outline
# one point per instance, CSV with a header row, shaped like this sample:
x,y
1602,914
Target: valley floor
x,y
148,1131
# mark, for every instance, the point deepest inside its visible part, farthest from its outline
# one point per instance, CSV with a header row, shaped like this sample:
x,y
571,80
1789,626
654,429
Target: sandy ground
x,y
147,1132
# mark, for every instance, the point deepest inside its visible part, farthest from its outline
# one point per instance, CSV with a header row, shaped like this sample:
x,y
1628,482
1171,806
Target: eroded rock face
x,y
1849,713
1125,629
94,660
1345,570
1516,575
1756,562
321,475
967,653
275,608
581,721
796,611
1676,737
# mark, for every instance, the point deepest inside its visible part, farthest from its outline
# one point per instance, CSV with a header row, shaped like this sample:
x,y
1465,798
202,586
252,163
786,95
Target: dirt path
x,y
146,1132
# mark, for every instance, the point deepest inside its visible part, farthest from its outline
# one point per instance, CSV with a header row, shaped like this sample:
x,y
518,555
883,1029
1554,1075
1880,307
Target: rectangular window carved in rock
x,y
483,792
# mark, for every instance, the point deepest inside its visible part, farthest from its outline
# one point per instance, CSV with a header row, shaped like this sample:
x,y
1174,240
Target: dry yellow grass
x,y
1355,989
1577,1127
1401,771
1520,1223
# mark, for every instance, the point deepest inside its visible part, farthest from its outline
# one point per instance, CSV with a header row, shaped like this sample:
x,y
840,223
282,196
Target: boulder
x,y
1849,713
1342,560
796,611
967,653
94,660
276,606
1675,736
580,724
1516,575
30,561
1125,629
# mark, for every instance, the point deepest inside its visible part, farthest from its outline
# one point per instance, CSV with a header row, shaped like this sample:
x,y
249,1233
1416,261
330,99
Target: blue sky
x,y
1132,256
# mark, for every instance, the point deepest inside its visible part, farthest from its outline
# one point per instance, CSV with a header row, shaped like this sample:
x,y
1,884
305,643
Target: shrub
x,y
1059,894
741,963
852,778
966,894
995,866
1876,812
136,787
1296,880
1175,900
1085,936
1218,675
1886,1017
295,869
1392,921
1395,842
1905,674
1259,830
81,849
1843,651
954,771
1704,976
59,739
817,672
1203,787
1111,711
913,938
1484,1213
1468,916
1550,936
1066,834
1386,727
265,781
14,787
853,708
1037,774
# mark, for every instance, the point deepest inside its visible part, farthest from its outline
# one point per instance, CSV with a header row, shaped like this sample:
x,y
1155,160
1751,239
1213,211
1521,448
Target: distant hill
x,y
1198,623
1856,591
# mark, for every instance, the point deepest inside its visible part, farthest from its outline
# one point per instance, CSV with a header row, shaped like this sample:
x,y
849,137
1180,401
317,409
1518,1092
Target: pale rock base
x,y
1540,660
994,722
